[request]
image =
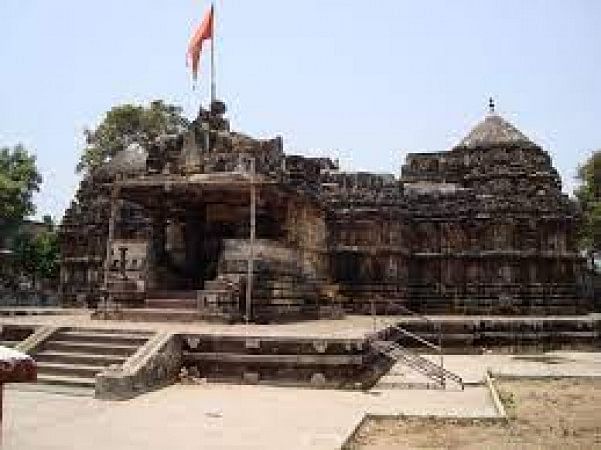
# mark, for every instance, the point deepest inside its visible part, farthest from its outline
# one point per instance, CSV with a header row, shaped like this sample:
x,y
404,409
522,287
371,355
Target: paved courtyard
x,y
472,368
214,416
218,417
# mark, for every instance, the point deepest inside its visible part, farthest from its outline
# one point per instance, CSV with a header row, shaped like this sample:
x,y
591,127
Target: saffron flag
x,y
203,33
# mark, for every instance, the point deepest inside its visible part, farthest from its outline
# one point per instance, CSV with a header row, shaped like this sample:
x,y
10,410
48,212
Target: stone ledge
x,y
155,364
495,397
34,341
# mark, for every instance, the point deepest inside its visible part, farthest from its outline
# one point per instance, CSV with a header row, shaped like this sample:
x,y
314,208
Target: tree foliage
x,y
19,179
37,255
127,124
589,197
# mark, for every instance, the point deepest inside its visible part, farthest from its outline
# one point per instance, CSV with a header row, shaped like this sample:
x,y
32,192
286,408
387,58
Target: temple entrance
x,y
188,238
188,256
198,245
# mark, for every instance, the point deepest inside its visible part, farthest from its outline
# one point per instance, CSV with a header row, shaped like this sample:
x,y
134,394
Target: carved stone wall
x,y
481,228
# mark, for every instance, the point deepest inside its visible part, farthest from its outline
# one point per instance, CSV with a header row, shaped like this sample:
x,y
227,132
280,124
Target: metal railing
x,y
417,362
420,363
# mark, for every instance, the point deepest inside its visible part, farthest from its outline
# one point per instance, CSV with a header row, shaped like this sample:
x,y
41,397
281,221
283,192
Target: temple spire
x,y
491,105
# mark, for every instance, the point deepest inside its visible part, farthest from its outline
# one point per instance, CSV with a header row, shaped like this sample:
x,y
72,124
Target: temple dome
x,y
494,130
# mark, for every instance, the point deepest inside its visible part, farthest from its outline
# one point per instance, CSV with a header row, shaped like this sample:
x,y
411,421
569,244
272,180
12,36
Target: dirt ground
x,y
544,414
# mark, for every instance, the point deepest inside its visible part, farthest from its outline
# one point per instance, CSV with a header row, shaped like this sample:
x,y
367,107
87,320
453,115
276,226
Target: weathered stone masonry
x,y
481,228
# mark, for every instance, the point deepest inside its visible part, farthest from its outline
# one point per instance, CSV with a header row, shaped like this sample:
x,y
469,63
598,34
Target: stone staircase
x,y
421,364
171,299
165,306
9,342
284,288
221,300
73,357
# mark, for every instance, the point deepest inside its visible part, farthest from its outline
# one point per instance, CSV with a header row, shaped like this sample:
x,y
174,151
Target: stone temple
x,y
164,231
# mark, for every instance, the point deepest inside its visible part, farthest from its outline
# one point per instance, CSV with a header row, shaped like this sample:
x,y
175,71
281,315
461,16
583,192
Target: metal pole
x,y
109,241
441,354
213,88
213,37
251,249
1,406
373,312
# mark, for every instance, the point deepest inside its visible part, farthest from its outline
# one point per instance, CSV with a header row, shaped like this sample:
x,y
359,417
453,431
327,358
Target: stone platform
x,y
319,353
508,334
260,417
460,334
351,327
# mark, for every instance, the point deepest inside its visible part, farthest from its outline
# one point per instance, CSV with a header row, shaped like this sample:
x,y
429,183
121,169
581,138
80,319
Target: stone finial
x,y
491,105
218,108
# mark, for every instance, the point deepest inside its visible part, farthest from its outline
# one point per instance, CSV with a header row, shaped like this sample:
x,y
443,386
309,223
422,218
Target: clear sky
x,y
364,81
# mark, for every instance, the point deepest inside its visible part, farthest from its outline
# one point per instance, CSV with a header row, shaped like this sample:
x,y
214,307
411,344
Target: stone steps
x,y
69,369
91,347
63,380
103,337
171,294
72,358
283,290
171,303
61,389
159,315
79,358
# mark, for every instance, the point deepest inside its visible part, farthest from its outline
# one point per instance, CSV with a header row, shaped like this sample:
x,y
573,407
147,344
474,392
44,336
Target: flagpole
x,y
213,37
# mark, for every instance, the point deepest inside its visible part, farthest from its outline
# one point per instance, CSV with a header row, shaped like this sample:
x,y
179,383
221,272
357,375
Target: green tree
x,y
37,256
24,254
46,254
19,179
126,124
589,197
